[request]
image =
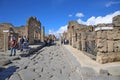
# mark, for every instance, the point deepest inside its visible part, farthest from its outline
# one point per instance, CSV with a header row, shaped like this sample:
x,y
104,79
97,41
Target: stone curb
x,y
31,51
4,62
8,60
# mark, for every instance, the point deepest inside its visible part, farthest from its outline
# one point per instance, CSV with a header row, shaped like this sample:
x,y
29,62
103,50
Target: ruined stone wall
x,y
82,35
72,25
5,35
1,41
65,36
20,30
42,34
87,41
108,42
102,40
34,30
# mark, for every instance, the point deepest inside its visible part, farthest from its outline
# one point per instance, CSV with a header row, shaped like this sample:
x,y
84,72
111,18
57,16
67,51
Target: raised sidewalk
x,y
85,61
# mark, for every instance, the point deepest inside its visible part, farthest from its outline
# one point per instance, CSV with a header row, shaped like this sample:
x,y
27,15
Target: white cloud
x,y
70,15
100,19
90,21
80,21
79,15
51,32
60,30
112,3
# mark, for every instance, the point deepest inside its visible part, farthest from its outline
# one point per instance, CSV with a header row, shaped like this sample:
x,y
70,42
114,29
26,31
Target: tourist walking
x,y
13,44
26,44
21,43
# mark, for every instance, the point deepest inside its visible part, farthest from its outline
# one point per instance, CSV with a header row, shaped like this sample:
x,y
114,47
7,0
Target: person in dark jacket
x,y
21,43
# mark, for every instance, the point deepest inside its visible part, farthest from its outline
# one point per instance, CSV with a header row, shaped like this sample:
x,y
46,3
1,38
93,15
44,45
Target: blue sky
x,y
55,14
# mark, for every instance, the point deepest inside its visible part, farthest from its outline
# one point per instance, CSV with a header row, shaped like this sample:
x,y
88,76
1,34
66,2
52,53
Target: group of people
x,y
48,42
20,44
64,41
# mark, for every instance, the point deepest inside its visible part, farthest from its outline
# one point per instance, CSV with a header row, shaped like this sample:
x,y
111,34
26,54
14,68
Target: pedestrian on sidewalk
x,y
26,44
13,44
21,43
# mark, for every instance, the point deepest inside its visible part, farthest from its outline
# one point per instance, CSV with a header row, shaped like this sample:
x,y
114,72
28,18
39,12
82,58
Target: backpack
x,y
13,43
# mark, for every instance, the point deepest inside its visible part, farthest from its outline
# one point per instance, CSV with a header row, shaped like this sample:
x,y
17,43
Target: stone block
x,y
102,45
100,58
4,62
113,34
110,35
91,37
116,21
83,36
110,46
117,46
116,35
117,57
101,34
98,42
108,57
78,45
83,45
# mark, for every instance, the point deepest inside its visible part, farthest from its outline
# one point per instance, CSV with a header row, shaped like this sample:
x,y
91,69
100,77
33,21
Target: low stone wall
x,y
31,50
5,59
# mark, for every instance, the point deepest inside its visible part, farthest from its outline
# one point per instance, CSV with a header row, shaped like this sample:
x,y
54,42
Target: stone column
x,y
72,39
1,41
78,41
101,41
83,39
42,34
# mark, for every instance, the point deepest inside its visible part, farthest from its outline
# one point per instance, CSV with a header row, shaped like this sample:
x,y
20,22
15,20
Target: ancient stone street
x,y
51,63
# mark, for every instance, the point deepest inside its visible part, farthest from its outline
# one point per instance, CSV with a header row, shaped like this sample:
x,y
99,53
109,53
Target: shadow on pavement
x,y
7,72
31,52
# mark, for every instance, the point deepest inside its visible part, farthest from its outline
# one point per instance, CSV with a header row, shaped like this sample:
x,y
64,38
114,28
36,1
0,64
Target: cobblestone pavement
x,y
51,63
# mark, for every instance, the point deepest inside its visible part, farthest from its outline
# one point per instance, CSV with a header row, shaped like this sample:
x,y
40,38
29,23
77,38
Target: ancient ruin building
x,y
32,30
108,41
6,29
42,34
102,40
72,25
65,36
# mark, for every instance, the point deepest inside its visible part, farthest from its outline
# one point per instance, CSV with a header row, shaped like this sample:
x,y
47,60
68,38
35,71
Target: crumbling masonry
x,y
32,30
102,40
